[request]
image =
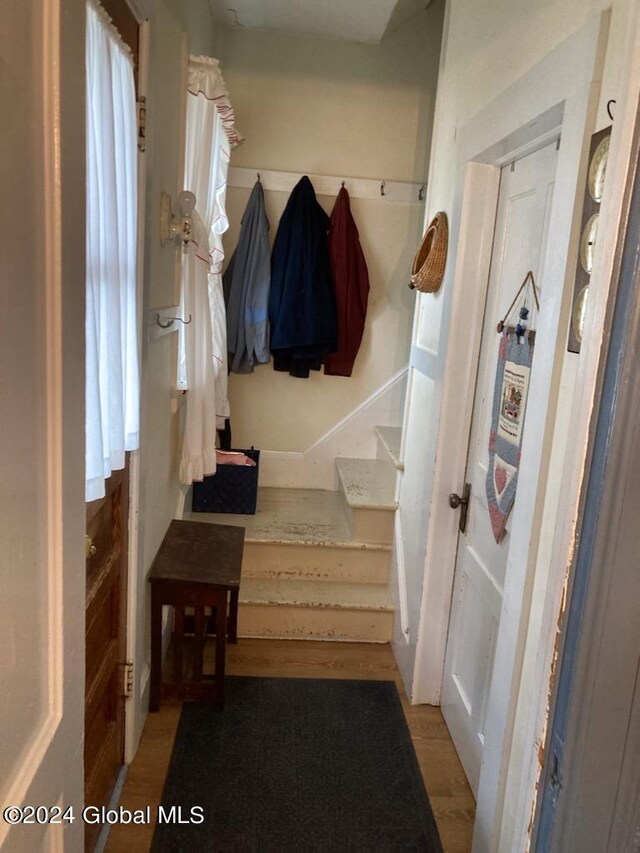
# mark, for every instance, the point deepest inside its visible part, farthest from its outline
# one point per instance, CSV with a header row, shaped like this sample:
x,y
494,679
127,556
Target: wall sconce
x,y
177,224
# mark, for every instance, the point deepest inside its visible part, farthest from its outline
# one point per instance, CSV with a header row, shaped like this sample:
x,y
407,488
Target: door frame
x,y
528,181
559,95
133,712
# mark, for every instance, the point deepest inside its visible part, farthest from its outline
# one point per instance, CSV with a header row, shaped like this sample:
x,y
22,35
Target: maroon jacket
x,y
351,281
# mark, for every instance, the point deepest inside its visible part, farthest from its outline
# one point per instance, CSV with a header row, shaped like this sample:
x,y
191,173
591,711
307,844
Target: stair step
x,y
350,562
389,441
367,483
354,596
320,611
304,576
304,516
368,487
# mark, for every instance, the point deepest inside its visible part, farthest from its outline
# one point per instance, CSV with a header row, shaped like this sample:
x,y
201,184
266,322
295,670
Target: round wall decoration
x,y
588,243
429,263
598,169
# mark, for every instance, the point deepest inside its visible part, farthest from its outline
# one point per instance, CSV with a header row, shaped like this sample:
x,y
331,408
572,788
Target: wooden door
x,y
105,692
520,239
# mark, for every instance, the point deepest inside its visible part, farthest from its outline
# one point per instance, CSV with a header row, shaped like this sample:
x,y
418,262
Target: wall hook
x,y
258,173
171,321
382,185
342,184
612,101
421,193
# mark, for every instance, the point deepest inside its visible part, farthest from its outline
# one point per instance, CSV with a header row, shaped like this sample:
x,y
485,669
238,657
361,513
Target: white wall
x,y
196,20
311,105
42,567
487,47
159,489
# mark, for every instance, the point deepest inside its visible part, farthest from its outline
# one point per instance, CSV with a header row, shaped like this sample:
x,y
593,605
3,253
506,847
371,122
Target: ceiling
x,y
348,20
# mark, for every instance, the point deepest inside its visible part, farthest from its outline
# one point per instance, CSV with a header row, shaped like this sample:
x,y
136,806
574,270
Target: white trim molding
x,y
367,188
540,644
353,436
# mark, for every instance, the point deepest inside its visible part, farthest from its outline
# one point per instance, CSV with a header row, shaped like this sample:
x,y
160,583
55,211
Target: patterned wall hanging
x,y
511,389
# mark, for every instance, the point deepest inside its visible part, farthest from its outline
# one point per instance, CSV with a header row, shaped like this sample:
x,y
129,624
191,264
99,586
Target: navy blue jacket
x,y
302,307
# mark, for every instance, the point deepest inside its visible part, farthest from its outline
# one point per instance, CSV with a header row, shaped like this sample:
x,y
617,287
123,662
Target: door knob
x,y
461,502
455,500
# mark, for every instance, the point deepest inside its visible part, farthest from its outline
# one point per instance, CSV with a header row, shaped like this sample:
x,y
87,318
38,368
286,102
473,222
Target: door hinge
x,y
142,123
127,679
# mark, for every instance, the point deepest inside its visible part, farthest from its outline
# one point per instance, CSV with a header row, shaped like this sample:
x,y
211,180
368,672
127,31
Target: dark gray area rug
x,y
297,766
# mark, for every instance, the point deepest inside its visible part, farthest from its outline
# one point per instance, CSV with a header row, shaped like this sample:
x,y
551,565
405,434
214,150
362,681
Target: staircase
x,y
316,563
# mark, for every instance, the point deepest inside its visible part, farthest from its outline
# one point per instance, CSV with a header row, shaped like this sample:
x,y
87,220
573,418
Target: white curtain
x,y
202,359
198,453
112,382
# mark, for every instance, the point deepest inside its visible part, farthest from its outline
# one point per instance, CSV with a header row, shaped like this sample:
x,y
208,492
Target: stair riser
x,y
382,453
308,562
309,623
373,526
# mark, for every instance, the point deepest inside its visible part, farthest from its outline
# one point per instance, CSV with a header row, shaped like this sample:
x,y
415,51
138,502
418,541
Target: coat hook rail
x,y
372,189
171,321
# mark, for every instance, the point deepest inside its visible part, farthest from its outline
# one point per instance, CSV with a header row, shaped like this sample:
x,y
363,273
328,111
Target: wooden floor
x,y
444,779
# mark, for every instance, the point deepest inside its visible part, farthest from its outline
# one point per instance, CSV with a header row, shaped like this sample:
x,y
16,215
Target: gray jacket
x,y
246,285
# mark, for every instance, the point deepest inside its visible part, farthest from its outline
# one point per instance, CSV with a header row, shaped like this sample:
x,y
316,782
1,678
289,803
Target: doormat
x,y
297,766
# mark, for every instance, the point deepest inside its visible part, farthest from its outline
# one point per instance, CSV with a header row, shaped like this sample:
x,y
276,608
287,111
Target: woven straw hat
x,y
428,265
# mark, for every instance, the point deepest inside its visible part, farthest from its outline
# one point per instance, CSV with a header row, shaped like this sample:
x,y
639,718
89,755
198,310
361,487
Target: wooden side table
x,y
198,565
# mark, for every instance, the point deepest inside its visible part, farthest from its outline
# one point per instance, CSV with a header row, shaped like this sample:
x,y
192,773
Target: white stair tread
x,y
350,596
304,516
367,483
391,438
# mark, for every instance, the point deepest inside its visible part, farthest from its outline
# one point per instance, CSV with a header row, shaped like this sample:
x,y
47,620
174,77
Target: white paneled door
x,y
42,426
524,204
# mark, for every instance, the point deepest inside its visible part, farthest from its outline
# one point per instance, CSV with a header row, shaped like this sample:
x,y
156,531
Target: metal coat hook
x,y
342,184
382,185
612,101
171,321
258,174
421,193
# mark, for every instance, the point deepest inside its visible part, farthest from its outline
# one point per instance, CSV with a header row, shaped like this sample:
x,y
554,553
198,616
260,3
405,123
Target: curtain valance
x,y
205,78
110,29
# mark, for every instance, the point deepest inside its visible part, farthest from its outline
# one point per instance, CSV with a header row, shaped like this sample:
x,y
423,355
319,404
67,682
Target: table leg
x,y
233,617
156,649
221,637
200,635
178,642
